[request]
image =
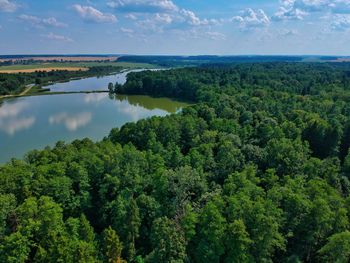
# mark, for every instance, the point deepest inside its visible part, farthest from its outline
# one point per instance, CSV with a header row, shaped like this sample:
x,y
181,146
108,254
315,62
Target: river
x,y
34,122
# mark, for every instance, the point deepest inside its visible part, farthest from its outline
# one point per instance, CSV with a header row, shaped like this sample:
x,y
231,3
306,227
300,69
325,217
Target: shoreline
x,y
22,94
42,90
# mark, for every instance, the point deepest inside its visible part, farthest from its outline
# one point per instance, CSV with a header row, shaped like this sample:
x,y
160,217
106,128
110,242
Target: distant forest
x,y
257,170
178,61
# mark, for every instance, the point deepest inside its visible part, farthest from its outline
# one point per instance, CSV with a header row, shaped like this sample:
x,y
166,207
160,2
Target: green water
x,y
29,123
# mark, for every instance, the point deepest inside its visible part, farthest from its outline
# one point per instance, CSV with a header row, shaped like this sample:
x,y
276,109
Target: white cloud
x,y
335,6
155,14
51,21
72,122
181,19
52,36
131,16
126,30
37,21
7,6
288,32
143,6
215,35
163,18
341,23
191,18
89,13
252,19
289,14
200,33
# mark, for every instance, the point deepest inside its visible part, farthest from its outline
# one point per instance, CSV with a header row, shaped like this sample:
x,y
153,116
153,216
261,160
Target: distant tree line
x,y
180,61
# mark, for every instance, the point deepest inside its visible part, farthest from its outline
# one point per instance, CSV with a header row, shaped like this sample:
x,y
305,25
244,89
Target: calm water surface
x,y
93,83
30,123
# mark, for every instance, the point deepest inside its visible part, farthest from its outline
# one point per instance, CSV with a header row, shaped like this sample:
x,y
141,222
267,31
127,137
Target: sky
x,y
175,27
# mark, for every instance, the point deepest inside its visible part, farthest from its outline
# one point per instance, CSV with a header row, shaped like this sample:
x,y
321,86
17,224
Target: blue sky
x,y
183,27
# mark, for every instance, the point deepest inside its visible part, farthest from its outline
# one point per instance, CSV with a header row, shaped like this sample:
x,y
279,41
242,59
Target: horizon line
x,y
174,55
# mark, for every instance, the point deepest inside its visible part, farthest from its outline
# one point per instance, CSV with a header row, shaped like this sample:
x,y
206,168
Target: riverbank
x,y
14,84
37,90
67,86
23,93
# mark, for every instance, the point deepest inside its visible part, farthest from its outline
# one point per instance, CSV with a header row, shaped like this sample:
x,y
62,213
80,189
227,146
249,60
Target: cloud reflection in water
x,y
14,125
133,112
10,122
71,121
94,97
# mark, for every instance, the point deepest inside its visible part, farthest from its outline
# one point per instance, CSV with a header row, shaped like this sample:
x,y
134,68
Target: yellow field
x,y
63,59
8,71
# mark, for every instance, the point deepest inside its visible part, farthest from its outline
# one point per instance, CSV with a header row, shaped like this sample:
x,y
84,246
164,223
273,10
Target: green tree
x,y
110,87
168,242
112,246
210,240
337,249
237,243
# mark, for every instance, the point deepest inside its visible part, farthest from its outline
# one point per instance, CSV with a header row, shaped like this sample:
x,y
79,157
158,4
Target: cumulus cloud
x,y
335,6
289,14
250,18
91,14
155,14
37,21
163,18
341,23
143,6
182,19
72,122
191,18
7,6
52,36
51,21
337,12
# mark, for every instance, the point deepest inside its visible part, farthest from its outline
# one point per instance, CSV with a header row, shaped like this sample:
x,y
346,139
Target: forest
x,y
181,61
256,170
185,61
15,83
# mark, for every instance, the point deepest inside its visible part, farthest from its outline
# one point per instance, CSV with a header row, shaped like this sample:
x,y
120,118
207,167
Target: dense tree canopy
x,y
257,170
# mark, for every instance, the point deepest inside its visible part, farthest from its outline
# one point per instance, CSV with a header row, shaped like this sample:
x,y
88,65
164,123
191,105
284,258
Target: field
x,y
70,66
63,58
30,70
